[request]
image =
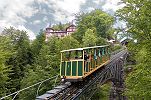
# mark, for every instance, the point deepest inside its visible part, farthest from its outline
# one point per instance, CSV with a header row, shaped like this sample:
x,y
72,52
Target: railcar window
x,y
78,54
68,54
85,56
105,51
90,53
100,51
97,52
71,55
95,55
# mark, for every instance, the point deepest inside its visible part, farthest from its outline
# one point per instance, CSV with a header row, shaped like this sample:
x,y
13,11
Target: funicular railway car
x,y
76,64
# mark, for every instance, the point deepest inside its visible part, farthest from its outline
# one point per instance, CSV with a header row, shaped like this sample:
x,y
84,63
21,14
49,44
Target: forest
x,y
24,62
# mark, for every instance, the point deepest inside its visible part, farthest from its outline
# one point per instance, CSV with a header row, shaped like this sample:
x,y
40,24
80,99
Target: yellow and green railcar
x,y
76,64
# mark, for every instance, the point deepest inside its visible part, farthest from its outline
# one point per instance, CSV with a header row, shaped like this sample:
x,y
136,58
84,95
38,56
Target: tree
x,y
68,42
137,15
139,81
102,92
49,55
60,26
101,41
5,52
21,57
38,44
34,76
138,18
97,19
90,38
46,65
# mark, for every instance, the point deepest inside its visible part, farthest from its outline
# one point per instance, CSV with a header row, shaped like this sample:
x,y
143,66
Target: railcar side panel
x,y
87,67
68,69
74,68
63,64
80,68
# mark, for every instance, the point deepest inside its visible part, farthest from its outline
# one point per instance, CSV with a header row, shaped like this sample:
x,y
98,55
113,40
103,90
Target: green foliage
x,y
18,45
102,93
33,76
138,82
101,41
60,26
137,15
38,43
116,47
5,53
49,54
101,21
68,42
24,62
89,39
46,65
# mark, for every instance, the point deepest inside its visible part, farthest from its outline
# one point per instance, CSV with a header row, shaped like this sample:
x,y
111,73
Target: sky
x,y
33,15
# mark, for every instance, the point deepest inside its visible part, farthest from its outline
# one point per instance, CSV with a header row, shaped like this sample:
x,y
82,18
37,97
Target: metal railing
x,y
37,92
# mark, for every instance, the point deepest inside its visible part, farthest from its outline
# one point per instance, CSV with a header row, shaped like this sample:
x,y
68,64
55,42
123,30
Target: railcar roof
x,y
80,49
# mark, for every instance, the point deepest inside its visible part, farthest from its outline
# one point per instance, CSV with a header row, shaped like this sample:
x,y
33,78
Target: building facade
x,y
60,33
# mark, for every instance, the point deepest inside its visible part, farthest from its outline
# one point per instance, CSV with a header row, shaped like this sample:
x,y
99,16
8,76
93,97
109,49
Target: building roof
x,y
49,28
70,26
60,31
125,38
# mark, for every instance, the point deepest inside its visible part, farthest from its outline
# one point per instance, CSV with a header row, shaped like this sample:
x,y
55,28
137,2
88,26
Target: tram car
x,y
77,64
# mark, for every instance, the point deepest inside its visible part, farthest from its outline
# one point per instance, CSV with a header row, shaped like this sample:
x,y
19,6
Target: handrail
x,y
17,92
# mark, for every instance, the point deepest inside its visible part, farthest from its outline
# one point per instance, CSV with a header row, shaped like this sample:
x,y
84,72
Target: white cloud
x,y
4,24
112,4
96,1
29,32
20,27
36,22
65,9
90,9
71,6
45,19
14,12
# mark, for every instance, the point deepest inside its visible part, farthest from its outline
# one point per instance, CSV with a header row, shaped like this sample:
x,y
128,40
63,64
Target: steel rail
x,y
122,53
71,89
64,93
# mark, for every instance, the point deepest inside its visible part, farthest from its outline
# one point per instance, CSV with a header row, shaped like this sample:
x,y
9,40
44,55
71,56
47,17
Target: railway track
x,y
99,76
71,91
